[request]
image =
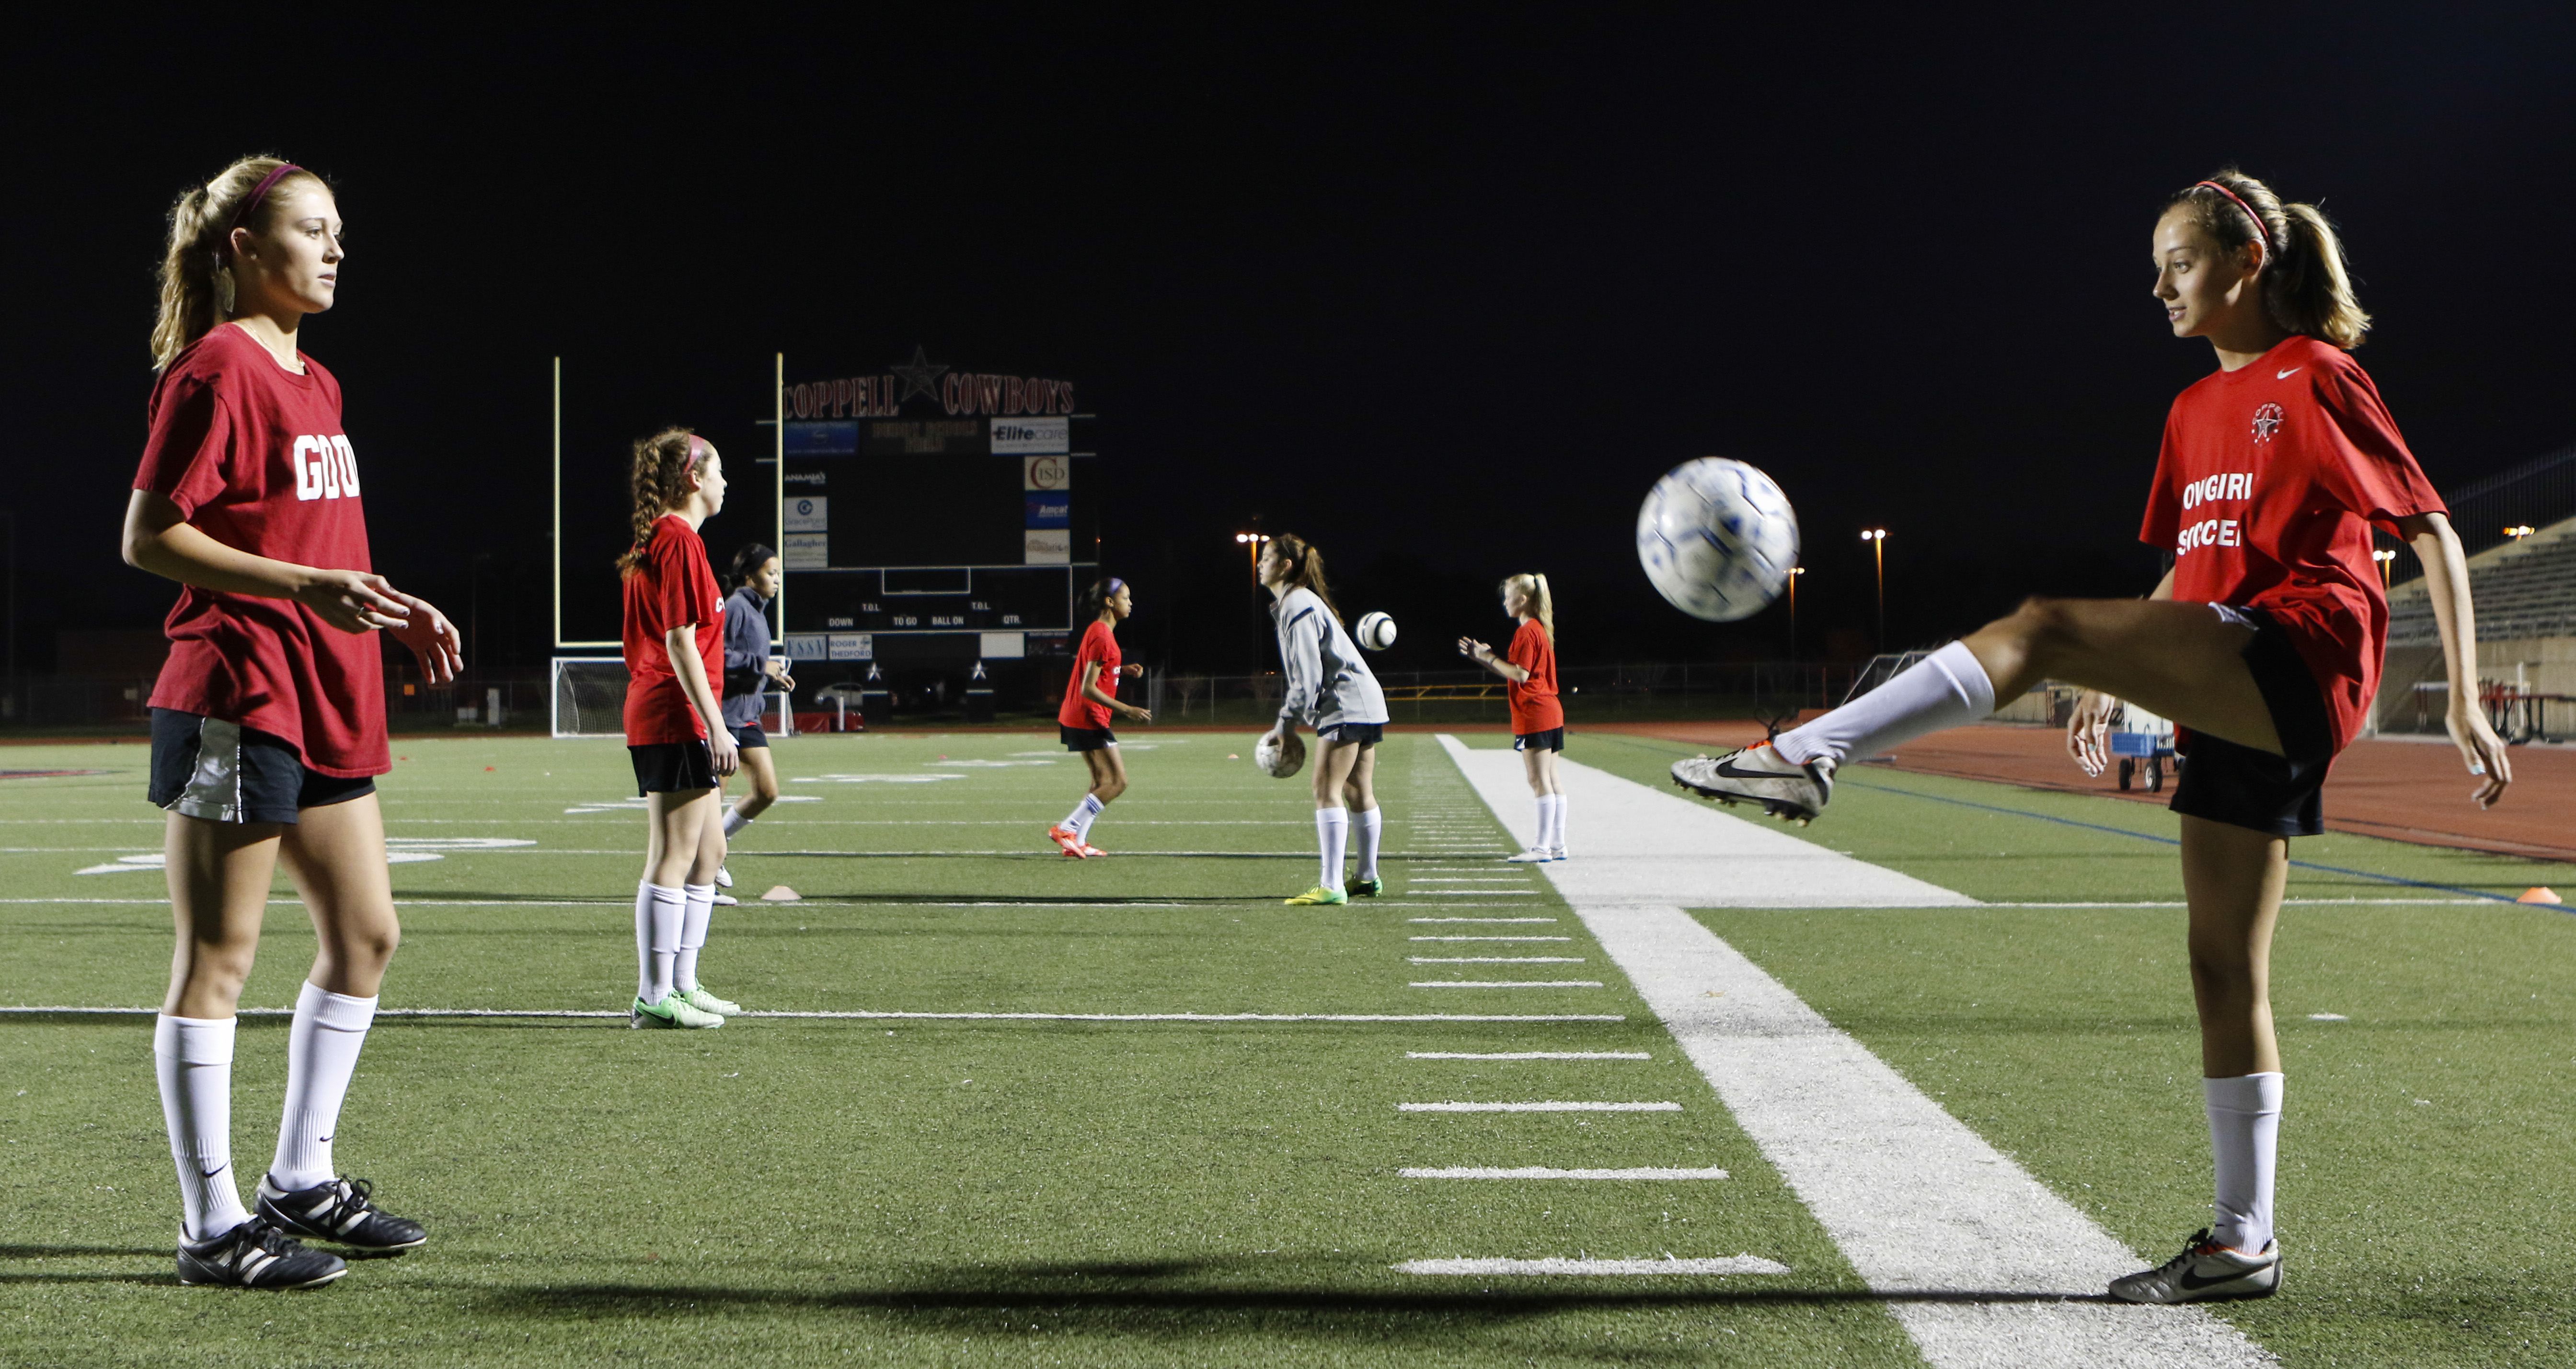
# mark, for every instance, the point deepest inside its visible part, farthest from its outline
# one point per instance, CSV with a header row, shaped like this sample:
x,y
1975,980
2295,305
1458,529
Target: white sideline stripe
x,y
1496,959
1506,984
914,1016
1538,1172
1656,848
1551,1106
1527,1055
1732,1264
1489,938
1473,919
1917,1201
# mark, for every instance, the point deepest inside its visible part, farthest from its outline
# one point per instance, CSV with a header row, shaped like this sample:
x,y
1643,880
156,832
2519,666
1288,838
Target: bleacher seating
x,y
2527,589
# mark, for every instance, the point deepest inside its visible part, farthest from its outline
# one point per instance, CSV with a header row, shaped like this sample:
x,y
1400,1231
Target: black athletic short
x,y
2243,787
1348,734
748,736
1552,739
1086,738
670,767
225,772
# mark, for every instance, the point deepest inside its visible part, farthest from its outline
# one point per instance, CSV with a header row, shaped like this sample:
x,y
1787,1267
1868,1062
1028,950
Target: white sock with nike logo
x,y
658,911
699,911
2245,1140
1332,838
322,1046
192,1057
1945,689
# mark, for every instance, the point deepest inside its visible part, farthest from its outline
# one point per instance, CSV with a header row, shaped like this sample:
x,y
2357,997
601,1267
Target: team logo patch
x,y
2267,421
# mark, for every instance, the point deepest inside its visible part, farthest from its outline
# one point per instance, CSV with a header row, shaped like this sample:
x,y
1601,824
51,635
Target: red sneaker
x,y
1089,850
1064,837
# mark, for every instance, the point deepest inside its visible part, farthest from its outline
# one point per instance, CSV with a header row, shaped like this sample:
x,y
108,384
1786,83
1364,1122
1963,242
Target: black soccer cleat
x,y
2205,1271
342,1212
256,1255
1758,774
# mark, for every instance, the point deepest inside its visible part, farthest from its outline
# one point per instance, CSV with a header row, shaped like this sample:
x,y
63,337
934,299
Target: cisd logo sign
x,y
1046,473
1028,436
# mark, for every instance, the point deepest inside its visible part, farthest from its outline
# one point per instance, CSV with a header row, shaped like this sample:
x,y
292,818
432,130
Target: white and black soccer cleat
x,y
724,879
1760,774
2205,1271
256,1255
342,1212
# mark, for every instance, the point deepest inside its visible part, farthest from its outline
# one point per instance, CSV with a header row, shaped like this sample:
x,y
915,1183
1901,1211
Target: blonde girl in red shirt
x,y
268,723
1538,716
2263,643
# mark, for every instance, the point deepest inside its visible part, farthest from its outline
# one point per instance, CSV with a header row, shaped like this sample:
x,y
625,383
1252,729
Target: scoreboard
x,y
932,517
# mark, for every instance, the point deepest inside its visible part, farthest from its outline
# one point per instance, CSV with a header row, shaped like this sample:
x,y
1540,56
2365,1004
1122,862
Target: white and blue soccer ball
x,y
1717,538
1376,631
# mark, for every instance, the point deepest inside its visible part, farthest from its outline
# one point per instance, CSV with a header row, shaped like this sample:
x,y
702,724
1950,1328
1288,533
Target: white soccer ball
x,y
1717,538
1376,632
1276,760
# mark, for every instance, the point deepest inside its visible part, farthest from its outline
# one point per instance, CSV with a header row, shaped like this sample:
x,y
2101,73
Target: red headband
x,y
259,192
2261,229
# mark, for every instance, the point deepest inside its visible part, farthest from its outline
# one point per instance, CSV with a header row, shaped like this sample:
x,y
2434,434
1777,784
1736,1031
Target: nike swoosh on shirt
x,y
2285,375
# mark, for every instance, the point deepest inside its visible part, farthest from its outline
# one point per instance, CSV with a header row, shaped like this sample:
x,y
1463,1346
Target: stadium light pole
x,y
1794,573
2519,531
2387,566
1877,539
1251,543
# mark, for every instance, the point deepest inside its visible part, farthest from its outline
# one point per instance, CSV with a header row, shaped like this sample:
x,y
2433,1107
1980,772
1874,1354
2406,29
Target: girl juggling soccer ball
x,y
268,724
1538,717
675,730
1329,688
1090,697
2263,642
748,674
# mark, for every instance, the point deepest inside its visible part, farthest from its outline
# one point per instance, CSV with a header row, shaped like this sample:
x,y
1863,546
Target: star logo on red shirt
x,y
2267,421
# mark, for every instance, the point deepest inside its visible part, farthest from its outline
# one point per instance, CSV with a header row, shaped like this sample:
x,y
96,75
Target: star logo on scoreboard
x,y
920,376
2267,421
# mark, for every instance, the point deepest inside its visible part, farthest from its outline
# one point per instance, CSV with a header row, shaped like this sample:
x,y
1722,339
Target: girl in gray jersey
x,y
1330,689
749,675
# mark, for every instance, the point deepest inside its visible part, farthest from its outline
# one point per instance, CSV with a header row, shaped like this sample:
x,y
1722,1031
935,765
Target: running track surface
x,y
2411,791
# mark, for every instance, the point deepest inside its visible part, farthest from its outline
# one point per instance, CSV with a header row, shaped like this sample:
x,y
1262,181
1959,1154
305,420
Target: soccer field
x,y
1134,1111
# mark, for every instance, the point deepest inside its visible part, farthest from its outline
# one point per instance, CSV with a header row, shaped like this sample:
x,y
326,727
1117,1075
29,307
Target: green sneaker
x,y
1318,894
704,1000
672,1011
1367,888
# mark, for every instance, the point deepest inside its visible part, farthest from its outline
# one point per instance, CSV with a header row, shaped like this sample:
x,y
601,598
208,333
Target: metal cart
x,y
2145,745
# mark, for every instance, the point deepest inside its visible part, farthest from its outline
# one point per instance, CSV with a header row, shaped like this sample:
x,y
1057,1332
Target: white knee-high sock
x,y
1556,823
644,939
1366,826
1546,812
1332,833
1945,689
2245,1139
321,1053
1078,821
659,912
697,910
192,1057
734,822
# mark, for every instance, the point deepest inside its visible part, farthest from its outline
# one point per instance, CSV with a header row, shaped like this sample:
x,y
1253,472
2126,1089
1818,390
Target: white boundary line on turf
x,y
1541,1172
1527,1055
1550,1105
1550,1268
1918,1202
583,1013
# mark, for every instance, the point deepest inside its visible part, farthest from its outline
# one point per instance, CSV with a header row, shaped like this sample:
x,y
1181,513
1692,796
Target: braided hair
x,y
659,483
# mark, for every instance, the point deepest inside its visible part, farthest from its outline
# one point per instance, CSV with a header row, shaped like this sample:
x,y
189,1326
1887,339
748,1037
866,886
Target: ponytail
x,y
1542,605
747,562
2307,288
1305,568
196,267
658,483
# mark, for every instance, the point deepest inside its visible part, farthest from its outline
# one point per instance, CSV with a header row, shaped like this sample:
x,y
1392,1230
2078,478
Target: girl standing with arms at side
x,y
675,728
1538,717
748,673
1329,688
2264,641
1090,696
268,724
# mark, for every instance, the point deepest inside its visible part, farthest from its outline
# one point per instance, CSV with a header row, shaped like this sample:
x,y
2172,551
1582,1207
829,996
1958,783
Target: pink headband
x,y
2261,229
698,450
259,192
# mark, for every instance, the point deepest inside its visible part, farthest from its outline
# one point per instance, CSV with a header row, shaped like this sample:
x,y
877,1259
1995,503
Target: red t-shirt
x,y
1534,703
1101,645
2270,480
671,587
254,456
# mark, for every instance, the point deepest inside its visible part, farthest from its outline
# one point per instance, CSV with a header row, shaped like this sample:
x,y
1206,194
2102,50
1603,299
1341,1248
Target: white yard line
x,y
1553,1268
1480,919
1527,1055
1489,938
1549,1106
1918,1202
1538,1172
1496,959
1506,984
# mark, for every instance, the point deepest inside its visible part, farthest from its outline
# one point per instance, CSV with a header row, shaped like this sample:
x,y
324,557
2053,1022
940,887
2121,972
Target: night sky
x,y
1443,293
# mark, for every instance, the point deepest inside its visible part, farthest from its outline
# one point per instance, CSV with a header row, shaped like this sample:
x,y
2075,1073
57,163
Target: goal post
x,y
589,697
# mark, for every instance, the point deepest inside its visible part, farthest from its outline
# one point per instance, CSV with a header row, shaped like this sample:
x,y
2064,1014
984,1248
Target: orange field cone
x,y
2540,893
781,894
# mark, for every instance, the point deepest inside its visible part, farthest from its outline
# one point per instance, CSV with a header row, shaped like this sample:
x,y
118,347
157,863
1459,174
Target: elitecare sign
x,y
1017,436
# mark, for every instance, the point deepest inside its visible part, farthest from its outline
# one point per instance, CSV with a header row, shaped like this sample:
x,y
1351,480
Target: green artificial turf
x,y
895,1191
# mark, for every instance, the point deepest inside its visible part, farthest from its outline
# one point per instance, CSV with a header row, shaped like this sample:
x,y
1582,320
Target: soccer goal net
x,y
589,696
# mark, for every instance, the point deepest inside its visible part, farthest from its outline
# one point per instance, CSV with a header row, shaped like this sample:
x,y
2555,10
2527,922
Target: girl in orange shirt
x,y
1538,720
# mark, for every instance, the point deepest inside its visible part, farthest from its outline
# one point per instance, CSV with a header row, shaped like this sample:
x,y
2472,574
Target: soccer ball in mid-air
x,y
1717,538
1376,632
1279,759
